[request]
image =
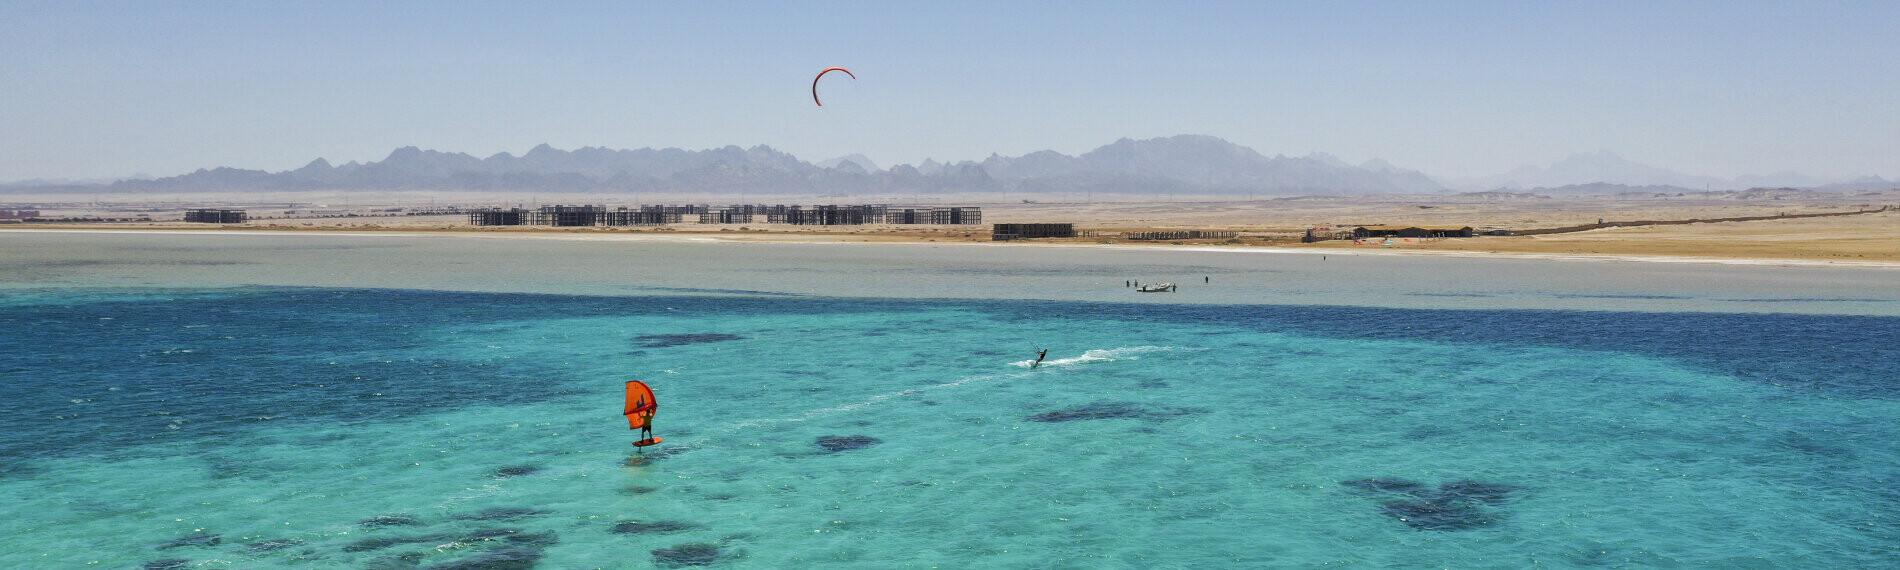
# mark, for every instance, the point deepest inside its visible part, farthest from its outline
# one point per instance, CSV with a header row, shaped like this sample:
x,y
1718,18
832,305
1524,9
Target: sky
x,y
1455,89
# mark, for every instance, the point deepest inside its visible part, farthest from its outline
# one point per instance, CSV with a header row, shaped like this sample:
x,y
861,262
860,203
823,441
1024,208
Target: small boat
x,y
1156,288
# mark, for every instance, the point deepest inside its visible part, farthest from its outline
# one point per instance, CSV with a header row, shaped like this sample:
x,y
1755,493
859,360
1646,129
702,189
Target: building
x,y
1363,232
1004,232
728,215
498,217
570,216
210,216
908,215
830,215
645,216
958,216
1324,233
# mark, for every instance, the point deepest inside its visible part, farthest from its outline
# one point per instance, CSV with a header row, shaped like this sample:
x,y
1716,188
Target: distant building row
x,y
210,216
1364,232
595,215
1006,232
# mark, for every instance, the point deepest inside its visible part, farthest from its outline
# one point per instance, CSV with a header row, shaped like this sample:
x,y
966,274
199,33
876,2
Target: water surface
x,y
172,414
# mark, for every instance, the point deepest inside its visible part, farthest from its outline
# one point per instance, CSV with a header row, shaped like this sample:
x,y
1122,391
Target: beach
x,y
1850,240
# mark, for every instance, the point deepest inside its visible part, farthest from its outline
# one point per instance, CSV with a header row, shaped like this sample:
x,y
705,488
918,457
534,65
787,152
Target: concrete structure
x,y
816,215
1183,234
1004,232
1363,232
211,216
498,217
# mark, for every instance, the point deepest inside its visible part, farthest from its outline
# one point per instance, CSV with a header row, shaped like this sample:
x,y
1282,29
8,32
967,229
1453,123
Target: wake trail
x,y
1099,355
1087,357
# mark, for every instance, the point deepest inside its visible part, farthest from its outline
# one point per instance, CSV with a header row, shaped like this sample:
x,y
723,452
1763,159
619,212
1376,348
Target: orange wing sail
x,y
640,405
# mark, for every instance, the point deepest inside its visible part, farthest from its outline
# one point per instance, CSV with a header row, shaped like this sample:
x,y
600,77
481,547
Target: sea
x,y
267,400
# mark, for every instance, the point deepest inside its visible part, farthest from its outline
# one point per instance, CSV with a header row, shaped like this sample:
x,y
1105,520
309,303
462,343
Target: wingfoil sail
x,y
640,405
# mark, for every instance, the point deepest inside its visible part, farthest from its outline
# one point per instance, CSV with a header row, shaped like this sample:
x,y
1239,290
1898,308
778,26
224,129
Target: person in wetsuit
x,y
1039,357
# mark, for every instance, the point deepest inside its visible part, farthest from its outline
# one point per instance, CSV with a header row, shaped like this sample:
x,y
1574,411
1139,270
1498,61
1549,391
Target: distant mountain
x,y
1608,168
1621,191
1862,184
1604,167
1185,164
1500,196
1607,189
863,163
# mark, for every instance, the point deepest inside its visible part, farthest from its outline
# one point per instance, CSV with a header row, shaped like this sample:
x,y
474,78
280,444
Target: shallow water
x,y
255,426
622,265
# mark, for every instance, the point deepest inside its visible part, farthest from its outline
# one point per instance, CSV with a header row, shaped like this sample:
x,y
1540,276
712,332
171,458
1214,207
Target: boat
x,y
1156,288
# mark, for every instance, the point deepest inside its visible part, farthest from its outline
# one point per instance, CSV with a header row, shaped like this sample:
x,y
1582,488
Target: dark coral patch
x,y
1094,411
404,561
1490,493
735,537
690,554
369,544
274,545
668,340
838,443
653,527
167,564
1455,505
201,539
1385,485
517,470
381,521
1438,513
500,514
508,558
513,536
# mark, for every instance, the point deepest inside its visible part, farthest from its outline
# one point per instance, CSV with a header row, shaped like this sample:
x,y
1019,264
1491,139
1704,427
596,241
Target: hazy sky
x,y
1455,89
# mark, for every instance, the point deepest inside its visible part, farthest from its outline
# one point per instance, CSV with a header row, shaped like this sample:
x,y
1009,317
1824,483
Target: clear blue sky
x,y
1455,88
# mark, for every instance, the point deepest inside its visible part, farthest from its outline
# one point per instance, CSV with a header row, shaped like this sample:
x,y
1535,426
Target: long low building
x,y
213,216
815,215
1005,232
1363,232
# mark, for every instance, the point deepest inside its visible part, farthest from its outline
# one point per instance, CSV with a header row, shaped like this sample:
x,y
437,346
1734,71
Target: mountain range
x,y
1183,164
1604,167
1186,164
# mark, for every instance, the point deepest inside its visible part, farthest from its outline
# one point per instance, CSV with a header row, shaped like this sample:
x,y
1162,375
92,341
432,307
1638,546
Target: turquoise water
x,y
255,427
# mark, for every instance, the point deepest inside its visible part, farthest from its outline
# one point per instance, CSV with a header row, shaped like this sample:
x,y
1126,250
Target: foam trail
x,y
826,411
1095,355
1098,355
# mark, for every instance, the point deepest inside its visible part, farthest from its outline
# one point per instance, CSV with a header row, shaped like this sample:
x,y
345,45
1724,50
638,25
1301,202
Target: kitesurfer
x,y
1039,357
821,75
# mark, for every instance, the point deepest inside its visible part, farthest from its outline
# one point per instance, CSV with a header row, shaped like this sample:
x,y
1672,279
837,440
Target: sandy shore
x,y
1619,246
1267,226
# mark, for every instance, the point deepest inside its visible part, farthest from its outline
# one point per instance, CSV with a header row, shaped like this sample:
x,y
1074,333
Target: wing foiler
x,y
641,405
